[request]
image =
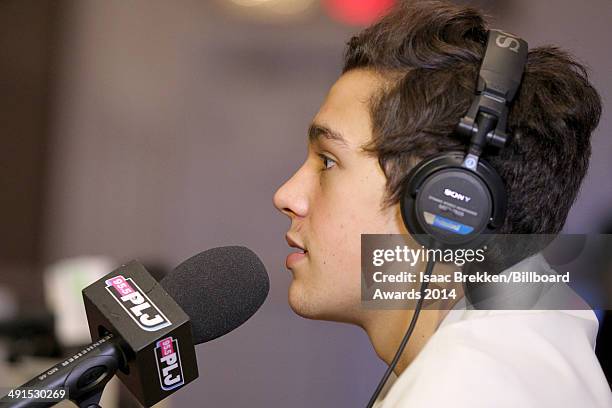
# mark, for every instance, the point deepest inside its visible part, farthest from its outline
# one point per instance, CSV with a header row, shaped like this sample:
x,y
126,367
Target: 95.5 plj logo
x,y
136,304
169,366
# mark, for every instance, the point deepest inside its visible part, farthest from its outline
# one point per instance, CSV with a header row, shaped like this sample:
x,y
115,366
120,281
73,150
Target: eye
x,y
327,162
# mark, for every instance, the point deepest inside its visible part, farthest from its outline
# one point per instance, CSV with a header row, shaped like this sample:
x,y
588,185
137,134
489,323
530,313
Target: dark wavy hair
x,y
429,52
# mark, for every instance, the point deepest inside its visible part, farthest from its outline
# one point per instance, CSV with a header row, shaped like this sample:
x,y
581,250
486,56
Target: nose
x,y
291,198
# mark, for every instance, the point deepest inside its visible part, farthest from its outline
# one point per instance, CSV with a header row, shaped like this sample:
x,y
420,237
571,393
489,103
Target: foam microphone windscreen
x,y
219,289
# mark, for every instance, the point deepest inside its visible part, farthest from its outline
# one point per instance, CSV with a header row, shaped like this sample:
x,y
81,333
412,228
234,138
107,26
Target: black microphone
x,y
145,331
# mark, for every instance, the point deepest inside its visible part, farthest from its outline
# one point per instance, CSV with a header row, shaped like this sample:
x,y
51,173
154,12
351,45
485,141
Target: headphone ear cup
x,y
454,206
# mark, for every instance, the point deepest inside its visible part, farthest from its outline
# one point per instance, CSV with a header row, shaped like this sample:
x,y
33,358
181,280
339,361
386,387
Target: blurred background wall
x,y
157,129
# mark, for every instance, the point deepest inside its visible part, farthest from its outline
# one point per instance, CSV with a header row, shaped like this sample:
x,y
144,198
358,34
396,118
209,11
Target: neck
x,y
386,328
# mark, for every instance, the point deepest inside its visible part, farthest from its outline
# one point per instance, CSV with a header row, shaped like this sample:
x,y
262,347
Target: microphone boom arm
x,y
83,376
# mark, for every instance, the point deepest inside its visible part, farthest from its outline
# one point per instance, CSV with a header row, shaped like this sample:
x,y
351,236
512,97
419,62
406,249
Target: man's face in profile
x,y
333,198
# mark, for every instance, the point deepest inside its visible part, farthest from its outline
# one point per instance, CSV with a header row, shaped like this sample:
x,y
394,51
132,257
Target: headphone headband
x,y
499,78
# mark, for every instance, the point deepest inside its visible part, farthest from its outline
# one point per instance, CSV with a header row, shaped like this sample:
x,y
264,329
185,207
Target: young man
x,y
406,82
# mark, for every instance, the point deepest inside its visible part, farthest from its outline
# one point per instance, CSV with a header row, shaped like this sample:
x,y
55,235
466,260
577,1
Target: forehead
x,y
346,109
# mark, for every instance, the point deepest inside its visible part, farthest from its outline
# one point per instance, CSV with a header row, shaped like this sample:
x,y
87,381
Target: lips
x,y
295,257
294,244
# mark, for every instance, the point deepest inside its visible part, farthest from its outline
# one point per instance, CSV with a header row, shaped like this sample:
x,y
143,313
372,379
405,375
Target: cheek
x,y
334,217
341,209
337,221
353,207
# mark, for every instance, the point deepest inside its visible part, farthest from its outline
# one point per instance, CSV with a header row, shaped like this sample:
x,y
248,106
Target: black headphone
x,y
455,199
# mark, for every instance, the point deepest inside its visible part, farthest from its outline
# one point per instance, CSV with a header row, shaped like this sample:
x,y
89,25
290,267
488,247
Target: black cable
x,y
400,349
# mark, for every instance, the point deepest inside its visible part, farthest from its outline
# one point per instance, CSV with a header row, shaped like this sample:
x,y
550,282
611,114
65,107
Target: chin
x,y
317,307
299,302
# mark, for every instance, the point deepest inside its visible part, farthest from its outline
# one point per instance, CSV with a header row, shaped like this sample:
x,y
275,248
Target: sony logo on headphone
x,y
506,41
456,195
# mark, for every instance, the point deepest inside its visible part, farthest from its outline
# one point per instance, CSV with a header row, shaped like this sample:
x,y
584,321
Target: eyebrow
x,y
317,130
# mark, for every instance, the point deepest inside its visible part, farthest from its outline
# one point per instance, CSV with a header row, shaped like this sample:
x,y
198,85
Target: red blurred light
x,y
357,12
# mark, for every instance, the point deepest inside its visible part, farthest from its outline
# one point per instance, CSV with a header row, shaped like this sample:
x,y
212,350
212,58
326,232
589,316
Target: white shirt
x,y
505,358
